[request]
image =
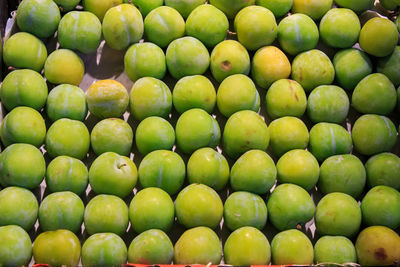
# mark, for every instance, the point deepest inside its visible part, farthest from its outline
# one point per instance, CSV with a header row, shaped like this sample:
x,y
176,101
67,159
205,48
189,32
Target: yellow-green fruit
x,y
278,7
316,9
231,7
100,7
145,6
16,246
67,5
185,7
335,249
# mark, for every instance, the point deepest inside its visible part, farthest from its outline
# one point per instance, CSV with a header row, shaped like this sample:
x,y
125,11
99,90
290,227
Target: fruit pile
x,y
303,64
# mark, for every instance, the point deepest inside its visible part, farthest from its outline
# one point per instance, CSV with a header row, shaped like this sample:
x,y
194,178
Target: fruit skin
x,y
113,174
23,125
16,246
66,5
105,249
247,246
252,37
117,35
237,92
351,66
244,209
383,169
207,166
269,64
328,103
150,97
187,56
79,30
227,58
379,37
145,6
312,69
56,248
342,173
24,51
62,210
167,163
328,139
254,172
316,9
285,98
67,137
398,23
333,213
18,206
378,246
335,249
196,129
99,8
381,206
66,101
198,205
64,66
208,24
22,165
198,245
390,66
373,134
106,213
245,130
67,174
145,60
112,135
194,92
107,99
298,167
278,7
151,208
292,247
154,133
163,25
357,6
184,7
345,20
231,8
151,247
39,17
297,33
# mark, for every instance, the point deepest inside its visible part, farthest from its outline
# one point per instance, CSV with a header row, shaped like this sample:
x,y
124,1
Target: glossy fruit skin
x,y
335,249
198,205
316,9
253,172
22,165
100,7
390,66
16,246
67,174
145,6
383,169
357,6
18,206
198,245
184,7
247,246
169,164
288,206
56,248
151,247
378,246
292,247
278,7
39,17
61,210
151,208
342,173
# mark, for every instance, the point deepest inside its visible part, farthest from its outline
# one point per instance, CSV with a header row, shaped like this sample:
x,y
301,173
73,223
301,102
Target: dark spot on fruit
x,y
324,72
380,254
248,142
296,96
121,165
226,65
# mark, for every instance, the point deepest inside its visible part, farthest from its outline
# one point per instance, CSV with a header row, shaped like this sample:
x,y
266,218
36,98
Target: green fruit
x,y
18,206
235,93
62,210
289,206
208,24
198,205
247,246
388,4
66,5
145,6
298,167
342,173
254,172
39,17
316,9
151,208
106,249
23,125
383,169
390,66
184,7
67,137
163,169
286,98
16,246
24,51
379,37
279,7
100,7
22,165
66,101
335,249
398,23
231,7
199,245
357,6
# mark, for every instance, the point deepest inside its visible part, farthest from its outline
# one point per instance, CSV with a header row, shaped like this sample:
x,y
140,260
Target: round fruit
x,y
66,5
390,66
100,7
16,246
384,169
184,7
278,7
316,9
231,7
145,6
335,249
357,6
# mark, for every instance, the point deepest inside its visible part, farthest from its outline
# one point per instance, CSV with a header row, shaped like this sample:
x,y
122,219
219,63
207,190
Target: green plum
x,y
398,23
390,66
184,7
316,9
145,6
100,7
357,6
383,169
335,249
231,7
279,7
66,5
16,246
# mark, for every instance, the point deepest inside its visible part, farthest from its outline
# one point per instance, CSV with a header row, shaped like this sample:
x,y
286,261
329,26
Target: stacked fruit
x,y
290,77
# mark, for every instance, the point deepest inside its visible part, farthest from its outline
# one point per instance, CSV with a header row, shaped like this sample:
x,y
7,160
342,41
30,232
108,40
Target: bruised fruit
x,y
145,6
390,65
16,246
383,169
335,249
100,7
316,9
184,7
357,6
278,7
231,7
